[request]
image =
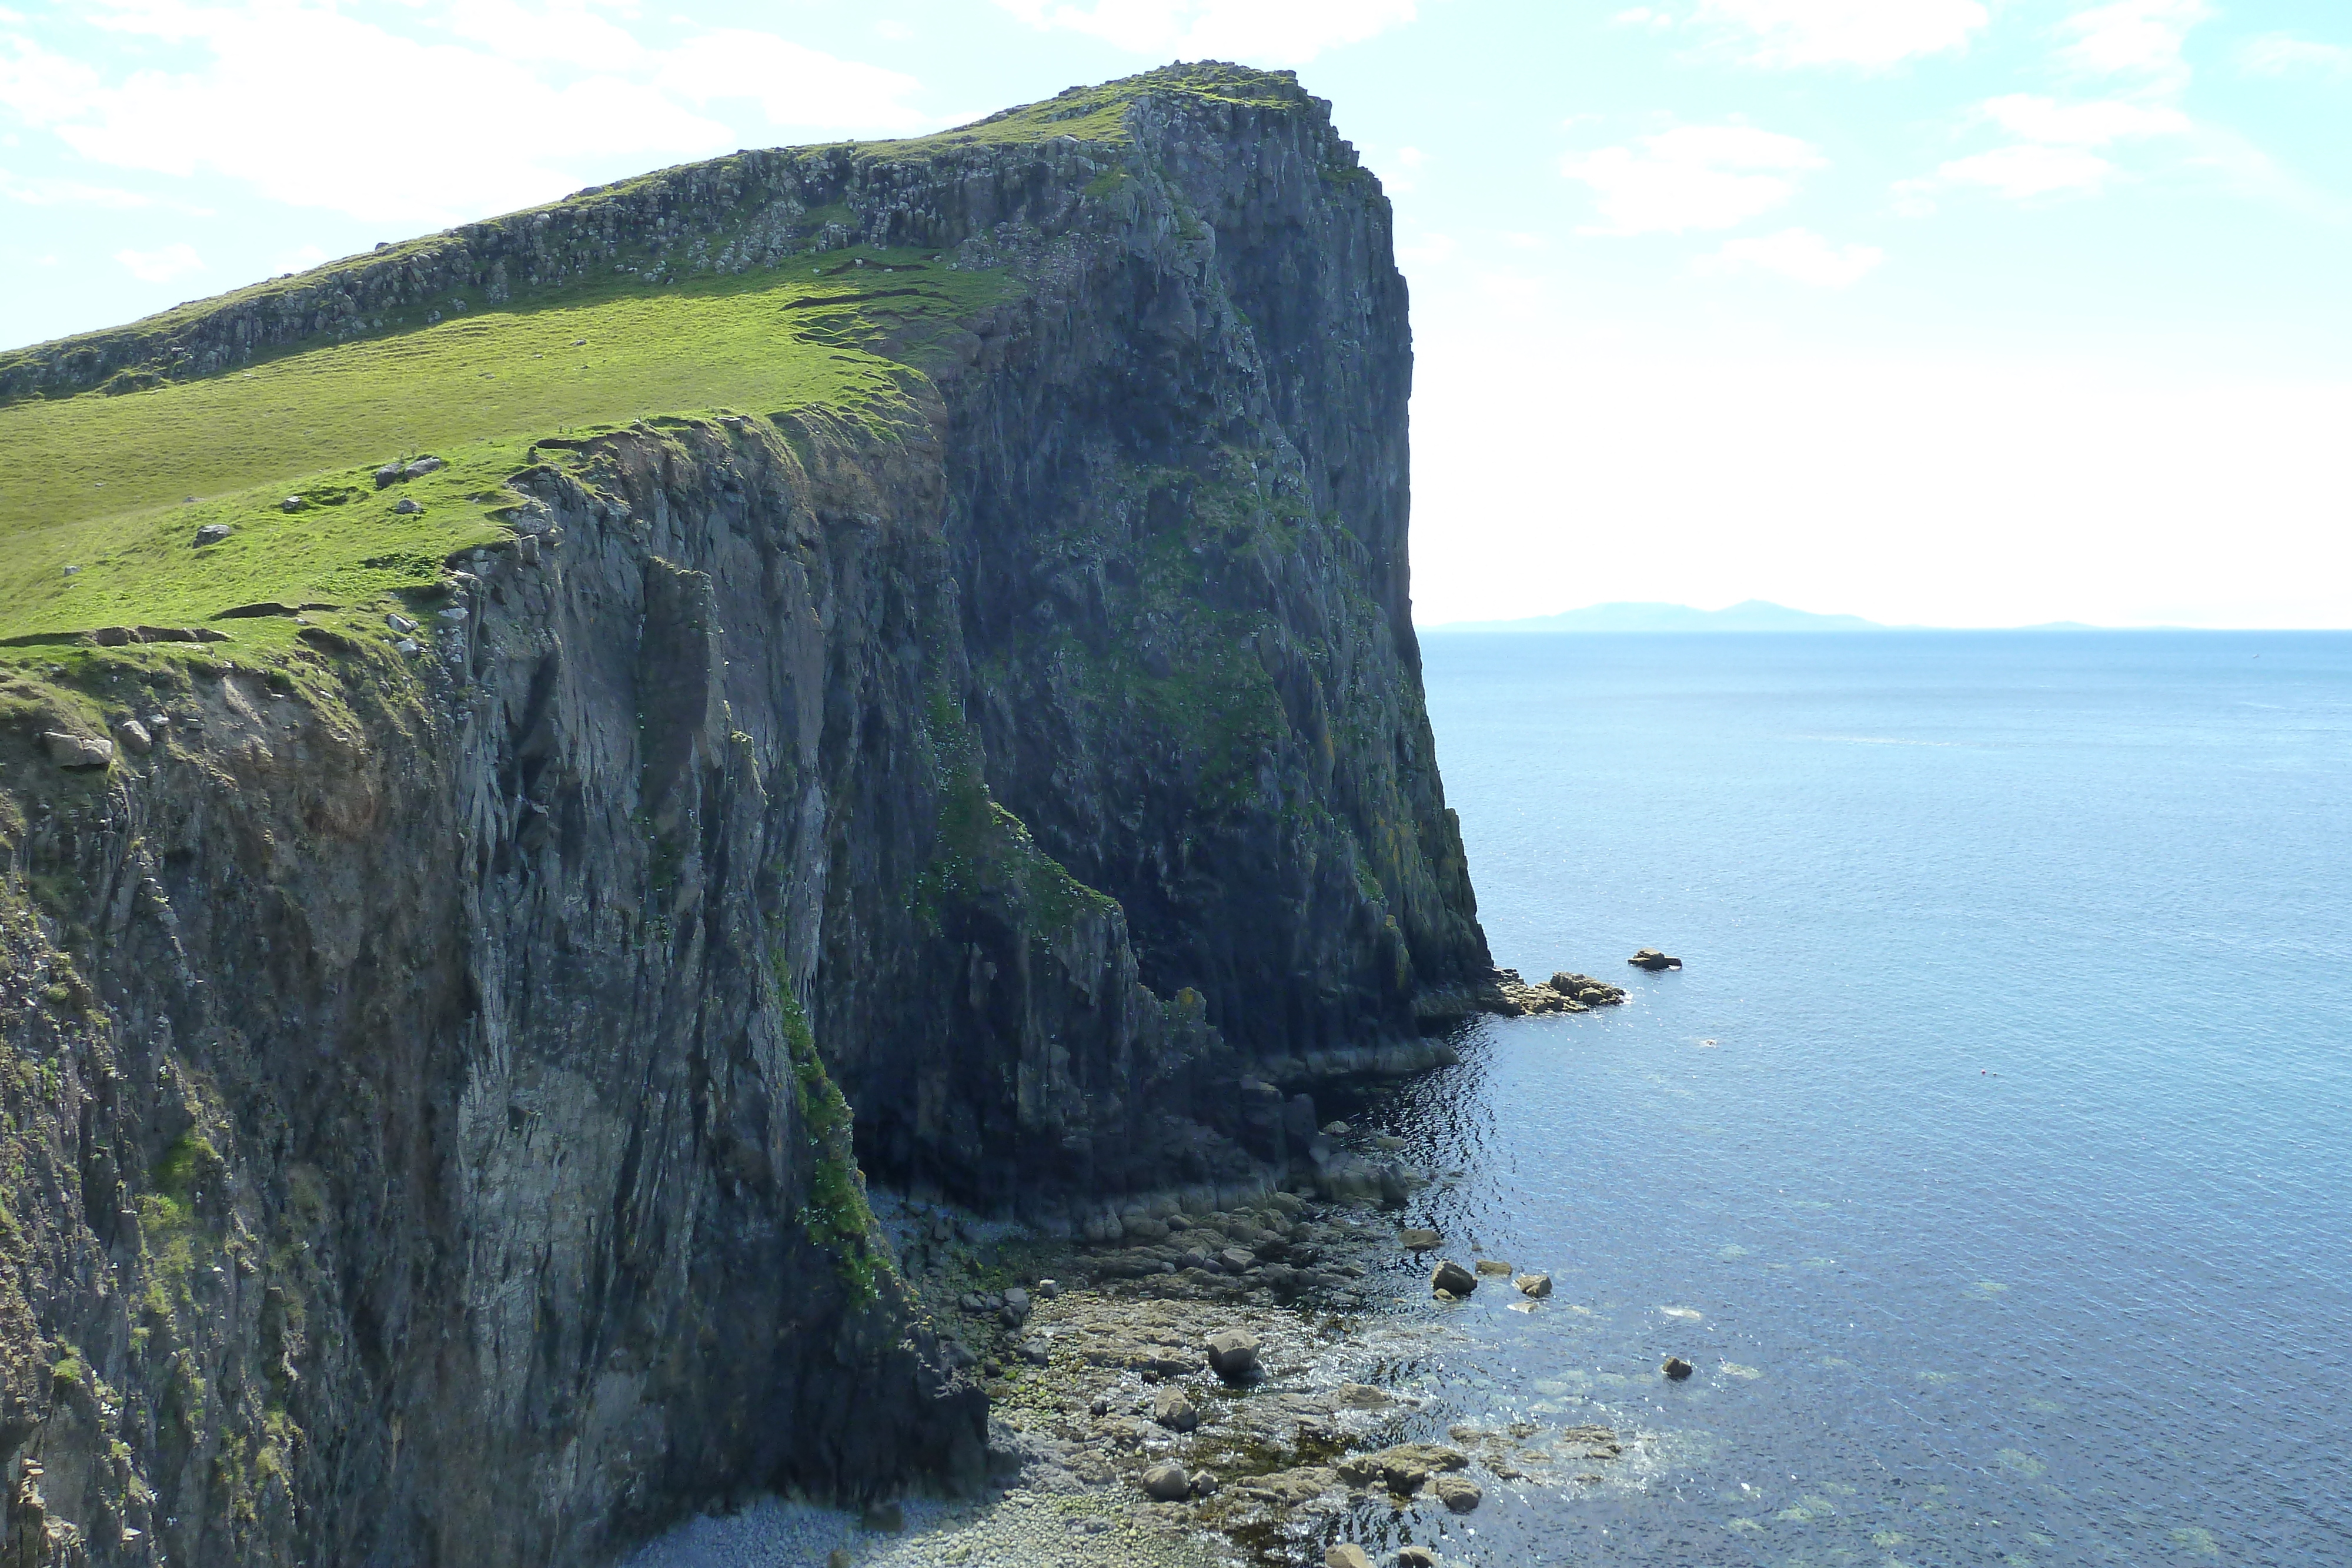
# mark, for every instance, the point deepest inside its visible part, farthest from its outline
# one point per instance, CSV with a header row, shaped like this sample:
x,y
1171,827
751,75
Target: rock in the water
x,y
1459,1493
77,750
1416,1557
1036,1352
1047,1289
1166,1482
1493,1266
1346,1554
1535,1285
1652,959
1453,1278
1418,1240
1233,1355
1335,1129
135,739
1584,989
1173,1409
839,1557
887,1517
1676,1368
211,534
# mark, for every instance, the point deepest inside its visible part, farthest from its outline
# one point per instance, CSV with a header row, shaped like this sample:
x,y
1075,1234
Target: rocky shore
x,y
1222,1391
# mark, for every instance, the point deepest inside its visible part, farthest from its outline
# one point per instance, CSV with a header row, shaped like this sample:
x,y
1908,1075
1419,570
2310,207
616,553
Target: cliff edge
x,y
505,741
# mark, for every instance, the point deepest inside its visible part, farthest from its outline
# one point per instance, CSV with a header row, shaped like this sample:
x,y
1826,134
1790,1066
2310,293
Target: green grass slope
x,y
115,487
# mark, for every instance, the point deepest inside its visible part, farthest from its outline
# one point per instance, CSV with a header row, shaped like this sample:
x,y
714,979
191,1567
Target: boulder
x,y
421,468
1203,1483
1166,1482
1416,1557
77,750
1459,1493
387,475
1015,1309
1346,1554
1650,958
407,506
135,736
1172,1408
1453,1278
1236,1259
292,504
1537,1286
1418,1240
1036,1352
1675,1368
1493,1266
211,534
1233,1355
404,625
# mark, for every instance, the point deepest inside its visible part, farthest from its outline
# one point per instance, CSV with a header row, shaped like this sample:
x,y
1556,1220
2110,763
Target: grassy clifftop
x,y
758,283
116,488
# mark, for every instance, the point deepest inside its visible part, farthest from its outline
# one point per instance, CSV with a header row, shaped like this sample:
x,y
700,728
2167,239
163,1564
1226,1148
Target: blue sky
x,y
1951,311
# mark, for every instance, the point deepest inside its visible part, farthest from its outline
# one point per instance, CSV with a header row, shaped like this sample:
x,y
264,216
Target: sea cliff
x,y
451,1023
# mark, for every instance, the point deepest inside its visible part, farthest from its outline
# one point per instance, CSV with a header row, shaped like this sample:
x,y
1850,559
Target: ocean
x,y
1992,1156
1989,1160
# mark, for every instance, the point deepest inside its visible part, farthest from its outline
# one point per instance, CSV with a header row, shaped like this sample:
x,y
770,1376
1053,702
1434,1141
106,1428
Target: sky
x,y
1954,312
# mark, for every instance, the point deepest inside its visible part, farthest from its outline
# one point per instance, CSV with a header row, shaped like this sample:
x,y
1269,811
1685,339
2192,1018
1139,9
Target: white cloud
x,y
161,265
1692,177
2280,54
2133,37
2095,124
1870,33
2059,151
2028,170
44,190
1798,255
1286,32
493,105
1652,17
795,86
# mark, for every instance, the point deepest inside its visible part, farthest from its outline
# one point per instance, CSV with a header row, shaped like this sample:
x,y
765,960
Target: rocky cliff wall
x,y
425,1138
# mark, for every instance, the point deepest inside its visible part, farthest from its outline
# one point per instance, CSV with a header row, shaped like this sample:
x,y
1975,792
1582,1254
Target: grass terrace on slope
x,y
101,496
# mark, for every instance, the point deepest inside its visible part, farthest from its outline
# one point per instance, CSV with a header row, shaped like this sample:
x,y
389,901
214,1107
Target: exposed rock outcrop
x,y
426,1136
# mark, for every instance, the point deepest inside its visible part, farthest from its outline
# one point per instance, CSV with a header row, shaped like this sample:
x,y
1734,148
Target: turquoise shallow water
x,y
2008,1217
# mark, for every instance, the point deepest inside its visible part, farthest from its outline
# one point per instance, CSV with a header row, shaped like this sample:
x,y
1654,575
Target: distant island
x,y
1754,615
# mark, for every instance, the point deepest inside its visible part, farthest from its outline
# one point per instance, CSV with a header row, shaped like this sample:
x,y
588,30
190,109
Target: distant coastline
x,y
1751,616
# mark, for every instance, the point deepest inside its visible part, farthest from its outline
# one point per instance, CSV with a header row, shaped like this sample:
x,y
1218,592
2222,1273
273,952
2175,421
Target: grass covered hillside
x,y
101,496
759,283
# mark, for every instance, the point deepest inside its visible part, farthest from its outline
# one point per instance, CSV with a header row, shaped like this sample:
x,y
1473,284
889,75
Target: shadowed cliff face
x,y
425,1138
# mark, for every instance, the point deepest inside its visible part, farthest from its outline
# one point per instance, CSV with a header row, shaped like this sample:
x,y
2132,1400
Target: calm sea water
x,y
1992,1157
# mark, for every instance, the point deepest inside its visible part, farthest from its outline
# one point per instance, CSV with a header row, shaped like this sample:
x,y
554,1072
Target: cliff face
x,y
425,1132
